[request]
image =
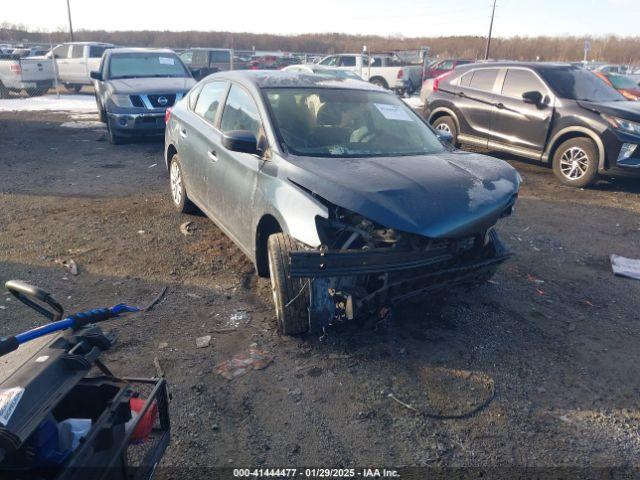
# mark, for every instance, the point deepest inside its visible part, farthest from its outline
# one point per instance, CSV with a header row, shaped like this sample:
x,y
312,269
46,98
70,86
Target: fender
x,y
449,112
577,129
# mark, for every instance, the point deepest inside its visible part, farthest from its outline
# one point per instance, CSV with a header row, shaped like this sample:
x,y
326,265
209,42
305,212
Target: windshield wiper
x,y
124,77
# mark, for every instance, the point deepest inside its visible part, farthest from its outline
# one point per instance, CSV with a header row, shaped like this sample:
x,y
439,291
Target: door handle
x,y
212,156
500,105
183,133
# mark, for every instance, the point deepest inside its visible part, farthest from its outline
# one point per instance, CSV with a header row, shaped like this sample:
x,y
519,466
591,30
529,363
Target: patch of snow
x,y
413,102
50,103
83,124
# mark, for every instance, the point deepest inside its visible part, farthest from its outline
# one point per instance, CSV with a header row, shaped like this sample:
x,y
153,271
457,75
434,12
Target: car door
x,y
61,54
77,65
240,169
476,102
199,141
519,124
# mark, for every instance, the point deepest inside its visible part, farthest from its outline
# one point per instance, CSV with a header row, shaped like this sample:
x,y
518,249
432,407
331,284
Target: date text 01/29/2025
x,y
314,473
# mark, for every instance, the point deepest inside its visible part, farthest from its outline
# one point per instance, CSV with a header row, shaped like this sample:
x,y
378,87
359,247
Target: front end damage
x,y
362,266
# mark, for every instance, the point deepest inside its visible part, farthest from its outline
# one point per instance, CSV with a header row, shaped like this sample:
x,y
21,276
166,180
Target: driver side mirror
x,y
95,75
242,141
533,97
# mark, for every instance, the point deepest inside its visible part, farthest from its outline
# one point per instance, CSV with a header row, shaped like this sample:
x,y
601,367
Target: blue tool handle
x,y
78,320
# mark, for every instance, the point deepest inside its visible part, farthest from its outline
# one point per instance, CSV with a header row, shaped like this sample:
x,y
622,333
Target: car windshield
x,y
620,81
576,83
322,122
134,65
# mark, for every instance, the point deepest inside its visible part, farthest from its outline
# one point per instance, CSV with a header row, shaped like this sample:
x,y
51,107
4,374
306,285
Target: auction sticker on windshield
x,y
166,60
9,400
393,112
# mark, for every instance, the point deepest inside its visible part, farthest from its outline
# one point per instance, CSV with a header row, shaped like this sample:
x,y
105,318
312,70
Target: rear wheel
x,y
4,91
447,124
290,295
381,82
178,191
36,91
575,162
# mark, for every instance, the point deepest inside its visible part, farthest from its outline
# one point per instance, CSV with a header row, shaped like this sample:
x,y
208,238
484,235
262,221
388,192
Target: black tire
x,y
447,123
575,162
290,295
77,88
73,87
114,138
182,204
379,81
101,112
4,91
36,92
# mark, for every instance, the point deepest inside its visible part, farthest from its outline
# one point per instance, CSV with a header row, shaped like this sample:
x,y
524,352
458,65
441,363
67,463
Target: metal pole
x,y
493,12
70,24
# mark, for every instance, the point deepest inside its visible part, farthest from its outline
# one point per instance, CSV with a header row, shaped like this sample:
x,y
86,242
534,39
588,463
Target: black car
x,y
555,113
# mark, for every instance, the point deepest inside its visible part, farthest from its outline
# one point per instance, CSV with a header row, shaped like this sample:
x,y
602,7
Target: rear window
x,y
220,56
484,79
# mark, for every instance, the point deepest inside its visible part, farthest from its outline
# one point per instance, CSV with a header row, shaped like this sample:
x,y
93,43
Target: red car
x,y
442,66
625,85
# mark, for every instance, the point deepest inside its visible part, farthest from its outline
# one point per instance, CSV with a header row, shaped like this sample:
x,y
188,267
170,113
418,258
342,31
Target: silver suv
x,y
135,86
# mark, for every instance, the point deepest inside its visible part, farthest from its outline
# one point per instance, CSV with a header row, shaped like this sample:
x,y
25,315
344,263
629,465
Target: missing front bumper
x,y
340,282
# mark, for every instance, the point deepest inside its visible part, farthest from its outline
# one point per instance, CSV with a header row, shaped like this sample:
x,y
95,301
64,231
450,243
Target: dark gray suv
x,y
559,114
135,86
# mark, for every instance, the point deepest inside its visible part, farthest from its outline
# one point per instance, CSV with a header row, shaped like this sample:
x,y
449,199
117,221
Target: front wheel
x,y
447,124
114,138
290,295
575,162
4,91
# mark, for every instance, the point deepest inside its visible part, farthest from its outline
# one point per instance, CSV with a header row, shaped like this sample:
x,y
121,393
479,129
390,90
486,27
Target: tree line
x,y
609,48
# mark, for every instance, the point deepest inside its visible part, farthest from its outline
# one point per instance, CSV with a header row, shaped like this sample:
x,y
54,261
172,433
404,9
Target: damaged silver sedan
x,y
336,190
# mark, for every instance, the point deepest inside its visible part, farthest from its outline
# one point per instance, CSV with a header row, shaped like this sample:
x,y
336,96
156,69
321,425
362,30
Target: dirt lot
x,y
538,368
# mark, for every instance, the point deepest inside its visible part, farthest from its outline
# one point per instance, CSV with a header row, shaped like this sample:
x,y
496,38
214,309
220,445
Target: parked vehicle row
x,y
558,114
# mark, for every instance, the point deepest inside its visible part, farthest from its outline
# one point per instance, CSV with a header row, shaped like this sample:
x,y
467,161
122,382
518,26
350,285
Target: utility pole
x,y
486,52
70,25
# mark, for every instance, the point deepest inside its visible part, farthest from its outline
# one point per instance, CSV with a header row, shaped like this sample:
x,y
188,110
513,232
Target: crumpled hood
x,y
445,195
623,109
132,86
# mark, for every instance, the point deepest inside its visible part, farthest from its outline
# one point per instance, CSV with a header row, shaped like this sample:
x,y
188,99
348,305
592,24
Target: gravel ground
x,y
537,368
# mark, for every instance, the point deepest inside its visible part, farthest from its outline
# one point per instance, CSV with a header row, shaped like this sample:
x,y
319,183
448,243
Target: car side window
x,y
448,65
348,61
61,51
465,80
208,102
193,96
330,61
240,112
96,52
518,81
484,79
77,51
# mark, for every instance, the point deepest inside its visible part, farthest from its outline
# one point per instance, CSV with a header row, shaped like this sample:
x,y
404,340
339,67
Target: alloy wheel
x,y
176,183
443,127
574,163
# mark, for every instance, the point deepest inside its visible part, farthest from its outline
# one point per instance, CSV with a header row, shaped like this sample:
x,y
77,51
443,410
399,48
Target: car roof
x,y
503,64
101,44
140,50
288,79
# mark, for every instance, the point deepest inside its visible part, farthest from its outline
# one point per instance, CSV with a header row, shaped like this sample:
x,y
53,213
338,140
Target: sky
x,y
410,18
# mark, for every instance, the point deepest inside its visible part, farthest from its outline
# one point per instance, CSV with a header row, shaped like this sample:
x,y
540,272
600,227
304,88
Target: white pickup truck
x,y
76,60
382,70
32,74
